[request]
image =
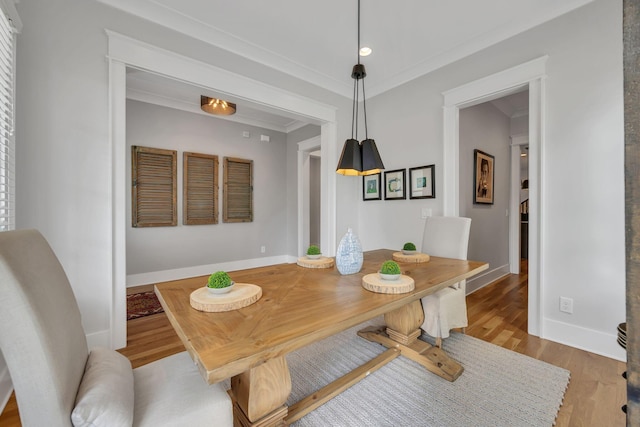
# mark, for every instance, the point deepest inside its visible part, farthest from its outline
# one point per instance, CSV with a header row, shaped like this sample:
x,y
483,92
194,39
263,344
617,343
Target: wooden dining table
x,y
299,306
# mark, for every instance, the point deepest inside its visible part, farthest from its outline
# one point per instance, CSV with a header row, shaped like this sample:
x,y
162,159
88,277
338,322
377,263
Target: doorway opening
x,y
488,129
309,191
530,75
126,52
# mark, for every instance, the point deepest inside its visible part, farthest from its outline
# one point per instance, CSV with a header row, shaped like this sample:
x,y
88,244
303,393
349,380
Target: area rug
x,y
142,304
497,388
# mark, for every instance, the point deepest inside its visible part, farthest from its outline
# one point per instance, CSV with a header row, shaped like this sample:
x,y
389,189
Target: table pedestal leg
x,y
401,332
259,394
403,324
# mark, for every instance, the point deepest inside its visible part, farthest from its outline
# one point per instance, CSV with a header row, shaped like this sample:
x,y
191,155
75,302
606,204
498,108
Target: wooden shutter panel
x,y
238,190
154,189
200,189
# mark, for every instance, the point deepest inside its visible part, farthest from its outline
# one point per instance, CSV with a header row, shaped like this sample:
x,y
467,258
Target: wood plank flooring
x,y
596,392
497,314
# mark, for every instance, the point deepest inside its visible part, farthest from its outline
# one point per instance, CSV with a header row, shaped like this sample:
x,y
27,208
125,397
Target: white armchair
x,y
58,382
446,309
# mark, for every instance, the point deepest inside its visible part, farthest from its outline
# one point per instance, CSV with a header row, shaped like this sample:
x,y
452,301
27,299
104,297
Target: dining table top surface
x,y
298,306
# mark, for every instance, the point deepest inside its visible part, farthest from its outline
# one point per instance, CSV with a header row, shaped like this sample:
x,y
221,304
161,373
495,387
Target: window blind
x,y
154,187
238,190
200,189
7,140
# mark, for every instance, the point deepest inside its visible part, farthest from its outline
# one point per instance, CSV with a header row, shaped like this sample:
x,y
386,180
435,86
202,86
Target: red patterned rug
x,y
142,304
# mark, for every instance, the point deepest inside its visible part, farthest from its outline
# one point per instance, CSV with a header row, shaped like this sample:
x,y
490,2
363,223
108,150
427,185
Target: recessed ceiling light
x,y
365,51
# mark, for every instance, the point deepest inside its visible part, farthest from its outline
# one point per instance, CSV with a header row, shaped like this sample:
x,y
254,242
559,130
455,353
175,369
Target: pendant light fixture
x,y
359,158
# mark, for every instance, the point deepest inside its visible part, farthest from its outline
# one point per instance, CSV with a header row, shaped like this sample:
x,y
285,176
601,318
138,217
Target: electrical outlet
x,y
566,305
263,249
425,213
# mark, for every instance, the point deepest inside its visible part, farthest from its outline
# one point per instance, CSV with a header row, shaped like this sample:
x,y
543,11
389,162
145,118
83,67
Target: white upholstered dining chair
x,y
446,309
59,382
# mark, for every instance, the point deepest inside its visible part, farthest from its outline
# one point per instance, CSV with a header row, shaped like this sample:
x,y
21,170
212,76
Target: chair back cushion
x,y
41,334
105,397
446,236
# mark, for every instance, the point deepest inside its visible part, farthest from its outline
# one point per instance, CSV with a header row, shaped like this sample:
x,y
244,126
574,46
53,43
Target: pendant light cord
x,y
364,109
355,107
356,98
358,50
354,110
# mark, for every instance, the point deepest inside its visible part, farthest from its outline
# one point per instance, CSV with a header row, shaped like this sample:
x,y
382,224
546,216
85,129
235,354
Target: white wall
x,y
406,124
485,128
154,249
582,219
64,163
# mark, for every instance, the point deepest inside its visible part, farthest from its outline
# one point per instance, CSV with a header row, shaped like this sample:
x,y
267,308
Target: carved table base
x,y
259,394
402,331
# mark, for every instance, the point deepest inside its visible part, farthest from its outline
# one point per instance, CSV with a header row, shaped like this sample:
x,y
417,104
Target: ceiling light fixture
x,y
217,106
359,158
365,51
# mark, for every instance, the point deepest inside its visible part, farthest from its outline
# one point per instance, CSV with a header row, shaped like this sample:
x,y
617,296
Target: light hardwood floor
x,y
497,314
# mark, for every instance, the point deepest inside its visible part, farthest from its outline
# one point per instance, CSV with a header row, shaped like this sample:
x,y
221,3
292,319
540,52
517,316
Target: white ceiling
x,y
513,106
317,41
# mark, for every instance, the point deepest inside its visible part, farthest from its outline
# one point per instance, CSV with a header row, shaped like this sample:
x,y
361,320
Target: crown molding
x,y
170,18
483,41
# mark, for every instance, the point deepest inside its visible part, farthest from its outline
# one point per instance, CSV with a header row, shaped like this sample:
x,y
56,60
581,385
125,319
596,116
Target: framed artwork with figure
x,y
371,187
484,171
394,184
422,182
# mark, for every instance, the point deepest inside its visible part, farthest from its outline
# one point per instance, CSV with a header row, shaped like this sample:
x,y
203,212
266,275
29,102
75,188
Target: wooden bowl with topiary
x,y
220,283
390,270
409,248
313,252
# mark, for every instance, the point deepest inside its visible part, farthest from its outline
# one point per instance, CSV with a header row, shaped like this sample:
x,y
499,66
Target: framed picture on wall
x,y
394,184
371,187
422,182
483,175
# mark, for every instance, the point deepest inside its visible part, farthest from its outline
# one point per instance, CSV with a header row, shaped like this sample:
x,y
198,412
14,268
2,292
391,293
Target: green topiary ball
x,y
313,250
219,279
390,267
409,246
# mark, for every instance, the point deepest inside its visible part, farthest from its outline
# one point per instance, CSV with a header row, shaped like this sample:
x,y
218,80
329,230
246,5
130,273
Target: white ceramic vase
x,y
349,254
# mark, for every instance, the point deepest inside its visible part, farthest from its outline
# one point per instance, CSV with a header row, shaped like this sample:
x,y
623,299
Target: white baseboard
x,y
6,387
486,278
202,270
604,344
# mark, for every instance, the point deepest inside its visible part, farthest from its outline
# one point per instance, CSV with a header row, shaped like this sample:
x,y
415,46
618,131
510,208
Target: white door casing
x,y
126,52
529,75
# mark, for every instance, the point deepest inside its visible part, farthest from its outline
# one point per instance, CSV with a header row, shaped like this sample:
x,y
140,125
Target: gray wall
x,y
314,200
152,249
485,128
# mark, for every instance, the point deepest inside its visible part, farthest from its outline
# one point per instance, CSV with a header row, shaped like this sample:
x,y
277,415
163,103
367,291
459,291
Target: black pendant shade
x,y
351,159
359,158
371,161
